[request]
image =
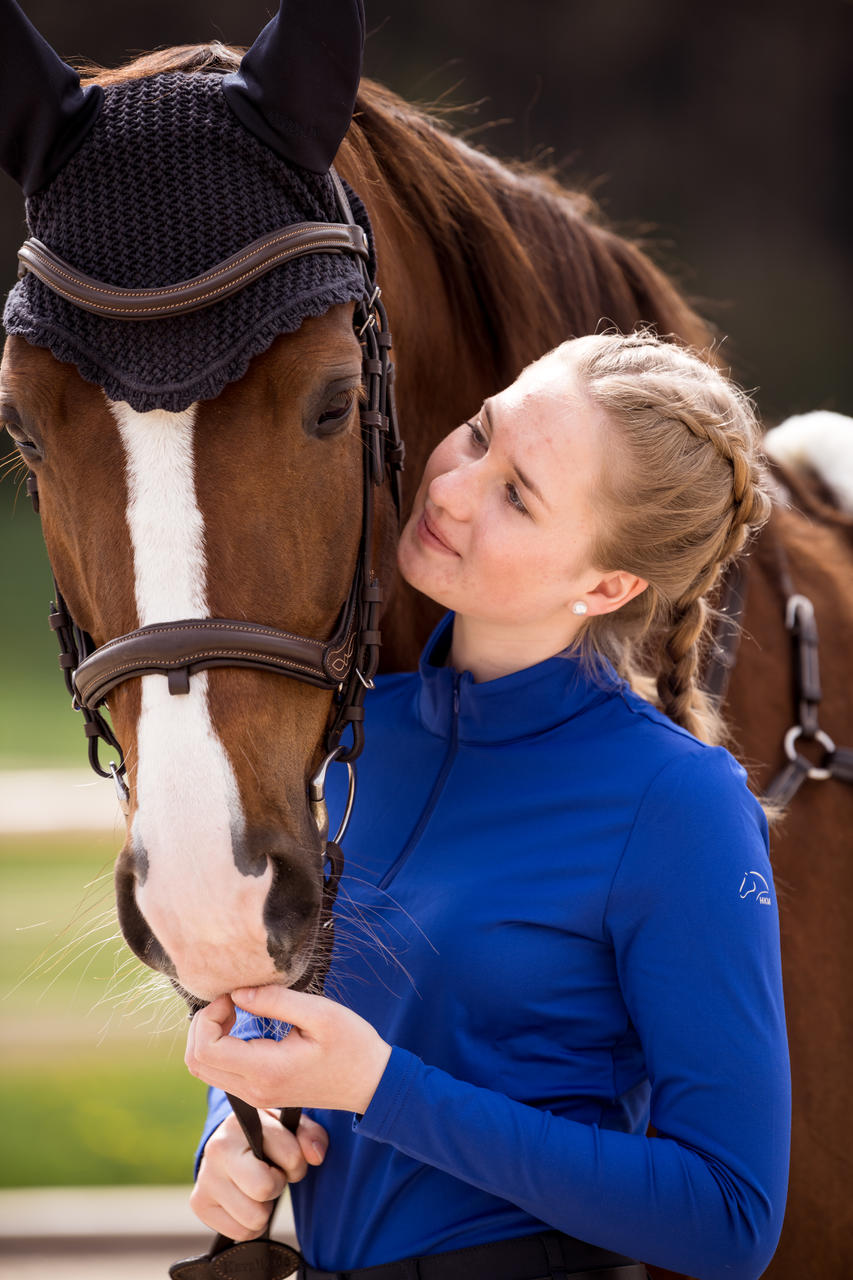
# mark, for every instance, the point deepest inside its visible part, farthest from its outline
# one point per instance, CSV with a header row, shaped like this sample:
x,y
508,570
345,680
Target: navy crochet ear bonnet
x,y
167,184
156,180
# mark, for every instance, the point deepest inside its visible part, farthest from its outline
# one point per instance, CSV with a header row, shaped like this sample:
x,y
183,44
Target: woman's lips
x,y
430,536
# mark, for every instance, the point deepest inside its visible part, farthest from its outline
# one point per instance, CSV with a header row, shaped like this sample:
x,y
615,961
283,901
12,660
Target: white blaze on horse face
x,y
207,916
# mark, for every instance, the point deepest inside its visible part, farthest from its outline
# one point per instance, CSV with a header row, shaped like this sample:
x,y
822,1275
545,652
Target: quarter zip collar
x,y
520,705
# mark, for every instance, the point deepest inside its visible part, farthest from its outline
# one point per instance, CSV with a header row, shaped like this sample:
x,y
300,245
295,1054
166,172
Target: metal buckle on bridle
x,y
317,796
793,605
370,307
815,772
121,787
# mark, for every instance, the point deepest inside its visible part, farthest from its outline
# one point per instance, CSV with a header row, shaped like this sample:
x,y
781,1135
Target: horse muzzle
x,y
259,925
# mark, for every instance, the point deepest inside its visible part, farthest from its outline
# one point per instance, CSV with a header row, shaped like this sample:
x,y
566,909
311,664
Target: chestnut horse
x,y
235,509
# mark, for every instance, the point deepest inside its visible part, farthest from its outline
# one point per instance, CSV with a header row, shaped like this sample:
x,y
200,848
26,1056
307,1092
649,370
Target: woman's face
x,y
504,519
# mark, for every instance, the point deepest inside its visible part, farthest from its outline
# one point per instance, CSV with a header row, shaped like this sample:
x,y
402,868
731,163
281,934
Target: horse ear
x,y
45,115
296,87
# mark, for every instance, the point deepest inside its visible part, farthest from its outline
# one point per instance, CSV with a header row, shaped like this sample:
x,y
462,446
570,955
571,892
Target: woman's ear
x,y
612,591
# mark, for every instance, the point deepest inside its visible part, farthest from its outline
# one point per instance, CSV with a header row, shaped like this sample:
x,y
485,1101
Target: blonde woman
x,y
557,921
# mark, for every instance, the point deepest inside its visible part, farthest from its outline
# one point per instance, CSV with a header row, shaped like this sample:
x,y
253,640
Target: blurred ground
x,y
102,1233
57,800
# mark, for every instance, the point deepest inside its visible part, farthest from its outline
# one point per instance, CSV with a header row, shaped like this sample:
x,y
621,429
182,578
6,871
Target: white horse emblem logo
x,y
754,882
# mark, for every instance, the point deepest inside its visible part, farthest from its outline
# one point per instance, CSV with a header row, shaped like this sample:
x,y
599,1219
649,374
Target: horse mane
x,y
525,262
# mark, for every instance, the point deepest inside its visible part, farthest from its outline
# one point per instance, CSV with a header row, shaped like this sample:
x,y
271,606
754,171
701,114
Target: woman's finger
x,y
306,1012
254,1070
211,1024
223,1206
293,1153
227,1158
213,1074
220,1203
222,1011
260,1180
313,1140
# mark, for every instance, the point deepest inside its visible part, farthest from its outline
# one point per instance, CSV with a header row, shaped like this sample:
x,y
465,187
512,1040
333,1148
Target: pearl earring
x,y
580,607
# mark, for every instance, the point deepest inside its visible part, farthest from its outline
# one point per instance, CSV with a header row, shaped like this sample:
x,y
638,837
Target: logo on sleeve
x,y
754,882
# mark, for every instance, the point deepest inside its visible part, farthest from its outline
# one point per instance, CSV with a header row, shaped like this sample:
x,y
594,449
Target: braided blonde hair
x,y
683,491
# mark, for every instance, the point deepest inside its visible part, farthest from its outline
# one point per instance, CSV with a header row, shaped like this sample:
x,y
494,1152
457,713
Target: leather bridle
x,y
346,662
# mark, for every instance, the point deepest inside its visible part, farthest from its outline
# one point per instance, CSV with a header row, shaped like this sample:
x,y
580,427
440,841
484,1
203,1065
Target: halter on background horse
x,y
482,270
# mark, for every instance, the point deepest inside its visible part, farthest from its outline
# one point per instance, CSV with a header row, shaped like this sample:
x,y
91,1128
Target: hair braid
x,y
683,492
678,664
750,504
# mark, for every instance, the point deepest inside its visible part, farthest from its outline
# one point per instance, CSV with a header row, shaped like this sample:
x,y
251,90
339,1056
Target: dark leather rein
x,y
345,663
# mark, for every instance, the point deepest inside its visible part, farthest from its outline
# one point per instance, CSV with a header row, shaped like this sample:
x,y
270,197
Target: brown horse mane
x,y
497,283
498,290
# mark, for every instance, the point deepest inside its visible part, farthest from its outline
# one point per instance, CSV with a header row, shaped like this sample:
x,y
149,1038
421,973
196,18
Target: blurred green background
x,y
723,134
38,729
93,1090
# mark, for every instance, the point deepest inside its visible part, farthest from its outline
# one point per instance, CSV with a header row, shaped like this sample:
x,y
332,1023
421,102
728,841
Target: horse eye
x,y
337,411
27,448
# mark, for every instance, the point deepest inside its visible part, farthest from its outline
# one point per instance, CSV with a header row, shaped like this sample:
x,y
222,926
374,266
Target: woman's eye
x,y
514,499
477,435
338,408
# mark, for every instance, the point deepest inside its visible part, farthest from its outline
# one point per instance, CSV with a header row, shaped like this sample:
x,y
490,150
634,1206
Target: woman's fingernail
x,y
245,993
320,1150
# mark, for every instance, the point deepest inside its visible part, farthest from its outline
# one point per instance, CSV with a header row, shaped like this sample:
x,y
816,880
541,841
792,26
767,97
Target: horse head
x,y
207,467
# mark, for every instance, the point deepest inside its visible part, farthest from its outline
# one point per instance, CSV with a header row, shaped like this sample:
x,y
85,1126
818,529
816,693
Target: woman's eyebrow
x,y
524,479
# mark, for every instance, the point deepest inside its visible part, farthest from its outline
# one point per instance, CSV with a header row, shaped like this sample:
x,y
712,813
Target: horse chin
x,y
301,978
193,1003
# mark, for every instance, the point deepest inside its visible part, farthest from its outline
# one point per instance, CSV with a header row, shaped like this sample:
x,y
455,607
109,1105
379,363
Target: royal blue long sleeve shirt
x,y
557,907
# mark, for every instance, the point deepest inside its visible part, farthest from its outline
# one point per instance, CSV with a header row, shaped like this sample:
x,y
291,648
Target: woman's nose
x,y
454,491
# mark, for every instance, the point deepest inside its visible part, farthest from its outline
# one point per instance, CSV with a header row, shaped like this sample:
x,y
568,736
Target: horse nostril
x,y
132,923
292,907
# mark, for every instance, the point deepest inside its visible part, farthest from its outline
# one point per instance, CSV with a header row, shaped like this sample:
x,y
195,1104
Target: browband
x,y
211,286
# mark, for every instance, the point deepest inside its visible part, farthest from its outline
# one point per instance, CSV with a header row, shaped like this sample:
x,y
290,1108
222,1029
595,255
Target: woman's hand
x,y
330,1059
235,1193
